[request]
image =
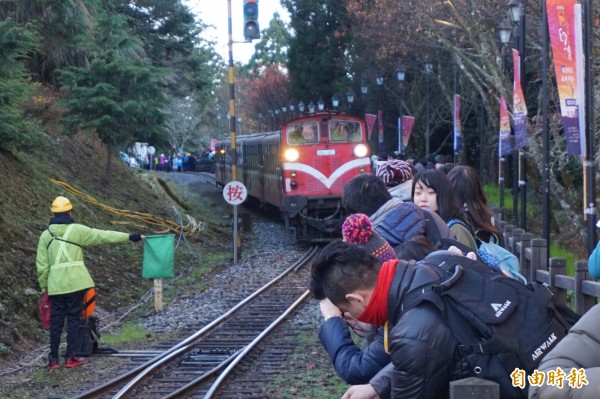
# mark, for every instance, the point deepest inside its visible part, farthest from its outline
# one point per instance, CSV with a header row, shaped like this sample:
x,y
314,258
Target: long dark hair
x,y
469,196
438,182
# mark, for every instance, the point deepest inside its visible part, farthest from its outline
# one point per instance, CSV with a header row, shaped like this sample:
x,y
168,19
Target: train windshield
x,y
344,130
303,133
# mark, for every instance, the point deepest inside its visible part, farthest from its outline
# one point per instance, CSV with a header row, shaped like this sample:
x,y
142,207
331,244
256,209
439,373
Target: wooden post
x,y
474,388
539,252
158,290
583,302
558,266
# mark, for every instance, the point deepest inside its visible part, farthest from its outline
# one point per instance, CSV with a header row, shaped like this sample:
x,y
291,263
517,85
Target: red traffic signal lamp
x,y
251,29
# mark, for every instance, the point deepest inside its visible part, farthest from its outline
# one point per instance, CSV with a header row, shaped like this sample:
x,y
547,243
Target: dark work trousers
x,y
69,306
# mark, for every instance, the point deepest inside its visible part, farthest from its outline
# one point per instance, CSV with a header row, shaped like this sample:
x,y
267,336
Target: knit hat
x,y
357,229
394,172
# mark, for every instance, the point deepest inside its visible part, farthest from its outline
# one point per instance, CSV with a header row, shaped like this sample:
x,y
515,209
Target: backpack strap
x,y
59,239
467,226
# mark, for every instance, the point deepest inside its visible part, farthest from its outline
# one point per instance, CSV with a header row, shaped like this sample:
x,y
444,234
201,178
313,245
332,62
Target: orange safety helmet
x,y
61,204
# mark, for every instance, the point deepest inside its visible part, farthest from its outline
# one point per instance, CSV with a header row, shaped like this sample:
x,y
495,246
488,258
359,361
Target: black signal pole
x,y
232,134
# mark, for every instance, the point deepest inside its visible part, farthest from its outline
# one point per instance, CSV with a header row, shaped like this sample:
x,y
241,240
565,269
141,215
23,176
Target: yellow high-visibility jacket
x,y
59,262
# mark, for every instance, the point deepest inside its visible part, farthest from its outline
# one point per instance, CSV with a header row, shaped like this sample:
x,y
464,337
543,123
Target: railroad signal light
x,y
251,29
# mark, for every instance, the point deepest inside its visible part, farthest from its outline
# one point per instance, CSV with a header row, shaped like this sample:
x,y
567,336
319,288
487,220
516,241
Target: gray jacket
x,y
580,349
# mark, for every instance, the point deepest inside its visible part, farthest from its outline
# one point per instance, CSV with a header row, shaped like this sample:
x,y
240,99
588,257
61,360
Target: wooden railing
x,y
580,292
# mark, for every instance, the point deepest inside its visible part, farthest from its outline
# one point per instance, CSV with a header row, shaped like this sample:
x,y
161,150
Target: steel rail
x,y
165,357
252,344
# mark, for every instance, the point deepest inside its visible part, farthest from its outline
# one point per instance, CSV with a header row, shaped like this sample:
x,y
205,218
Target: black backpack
x,y
500,324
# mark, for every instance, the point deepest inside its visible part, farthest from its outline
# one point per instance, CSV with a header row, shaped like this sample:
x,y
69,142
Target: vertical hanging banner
x,y
400,147
504,140
519,106
407,125
457,126
561,27
370,120
380,117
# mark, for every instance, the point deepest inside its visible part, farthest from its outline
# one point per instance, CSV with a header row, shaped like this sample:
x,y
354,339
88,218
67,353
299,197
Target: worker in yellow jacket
x,y
62,272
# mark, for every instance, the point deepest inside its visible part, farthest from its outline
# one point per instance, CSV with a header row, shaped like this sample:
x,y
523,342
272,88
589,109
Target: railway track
x,y
202,365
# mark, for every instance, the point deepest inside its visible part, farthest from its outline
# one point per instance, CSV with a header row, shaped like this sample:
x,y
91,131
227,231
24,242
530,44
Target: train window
x,y
344,130
303,133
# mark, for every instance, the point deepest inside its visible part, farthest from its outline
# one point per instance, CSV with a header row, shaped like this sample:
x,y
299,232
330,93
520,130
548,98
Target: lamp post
x,y
400,76
292,106
311,107
428,70
504,31
364,87
519,183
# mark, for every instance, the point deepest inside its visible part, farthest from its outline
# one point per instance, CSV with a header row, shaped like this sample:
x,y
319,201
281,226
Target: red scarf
x,y
376,312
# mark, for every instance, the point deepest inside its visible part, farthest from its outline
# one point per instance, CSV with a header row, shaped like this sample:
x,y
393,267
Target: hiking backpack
x,y
492,253
500,324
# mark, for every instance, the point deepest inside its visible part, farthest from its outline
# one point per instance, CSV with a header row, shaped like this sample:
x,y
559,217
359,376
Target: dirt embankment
x,y
26,194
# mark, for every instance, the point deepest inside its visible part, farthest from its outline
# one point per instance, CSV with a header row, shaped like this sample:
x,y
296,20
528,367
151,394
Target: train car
x,y
301,169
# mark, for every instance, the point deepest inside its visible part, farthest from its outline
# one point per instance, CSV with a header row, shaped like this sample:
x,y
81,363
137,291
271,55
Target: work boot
x,y
52,364
74,361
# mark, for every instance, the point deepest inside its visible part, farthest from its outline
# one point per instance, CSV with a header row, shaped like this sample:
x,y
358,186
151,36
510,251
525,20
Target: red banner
x,y
504,140
519,105
561,27
407,125
457,126
370,120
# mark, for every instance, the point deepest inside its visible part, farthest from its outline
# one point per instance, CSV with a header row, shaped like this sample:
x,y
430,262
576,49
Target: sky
x,y
214,12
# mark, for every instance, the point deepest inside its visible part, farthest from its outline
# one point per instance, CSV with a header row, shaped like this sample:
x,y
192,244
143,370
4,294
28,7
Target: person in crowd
x,y
396,221
578,356
179,163
431,190
415,248
355,365
470,197
62,273
192,163
397,176
423,348
161,162
594,261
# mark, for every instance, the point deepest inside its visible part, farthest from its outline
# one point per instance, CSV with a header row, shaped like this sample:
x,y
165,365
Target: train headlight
x,y
361,150
293,174
291,155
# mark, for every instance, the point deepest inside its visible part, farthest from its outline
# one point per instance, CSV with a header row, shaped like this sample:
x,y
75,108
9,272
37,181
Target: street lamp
x,y
364,88
350,96
428,69
321,104
505,30
400,74
335,101
311,107
516,12
379,79
301,107
292,105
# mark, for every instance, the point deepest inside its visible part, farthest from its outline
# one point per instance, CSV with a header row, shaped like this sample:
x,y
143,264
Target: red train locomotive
x,y
301,169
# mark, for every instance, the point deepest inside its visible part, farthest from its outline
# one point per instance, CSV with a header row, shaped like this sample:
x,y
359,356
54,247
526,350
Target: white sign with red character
x,y
235,193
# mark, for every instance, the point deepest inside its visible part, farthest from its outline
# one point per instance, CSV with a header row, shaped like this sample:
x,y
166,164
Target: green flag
x,y
158,256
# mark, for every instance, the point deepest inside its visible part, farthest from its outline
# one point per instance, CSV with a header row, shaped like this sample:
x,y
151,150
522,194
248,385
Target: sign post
x,y
235,193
